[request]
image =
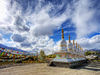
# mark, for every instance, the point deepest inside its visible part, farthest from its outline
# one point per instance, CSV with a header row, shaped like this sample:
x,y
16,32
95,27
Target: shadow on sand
x,y
10,65
93,67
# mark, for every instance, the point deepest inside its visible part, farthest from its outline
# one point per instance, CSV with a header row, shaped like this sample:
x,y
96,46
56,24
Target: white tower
x,y
79,51
63,46
70,45
76,50
74,47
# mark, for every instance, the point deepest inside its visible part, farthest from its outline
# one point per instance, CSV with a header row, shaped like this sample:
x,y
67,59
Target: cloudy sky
x,y
36,24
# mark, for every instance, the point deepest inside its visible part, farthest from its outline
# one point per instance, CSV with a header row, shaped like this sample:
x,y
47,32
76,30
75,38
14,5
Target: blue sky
x,y
69,29
37,24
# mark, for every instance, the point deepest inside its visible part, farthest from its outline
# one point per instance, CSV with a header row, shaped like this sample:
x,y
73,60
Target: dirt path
x,y
43,69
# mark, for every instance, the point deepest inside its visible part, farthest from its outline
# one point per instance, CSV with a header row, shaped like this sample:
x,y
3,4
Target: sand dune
x,y
43,69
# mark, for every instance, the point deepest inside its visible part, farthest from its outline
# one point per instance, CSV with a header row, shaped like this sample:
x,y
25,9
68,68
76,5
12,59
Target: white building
x,y
73,48
63,43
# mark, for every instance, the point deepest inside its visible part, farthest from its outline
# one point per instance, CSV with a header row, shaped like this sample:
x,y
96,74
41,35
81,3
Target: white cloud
x,y
90,43
37,26
3,10
83,17
37,32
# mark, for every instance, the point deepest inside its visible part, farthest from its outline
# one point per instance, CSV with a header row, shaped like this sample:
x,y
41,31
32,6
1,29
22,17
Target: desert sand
x,y
43,69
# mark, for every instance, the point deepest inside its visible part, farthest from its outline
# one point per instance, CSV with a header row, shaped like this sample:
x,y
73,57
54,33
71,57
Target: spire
x,y
76,44
62,34
82,49
73,42
69,39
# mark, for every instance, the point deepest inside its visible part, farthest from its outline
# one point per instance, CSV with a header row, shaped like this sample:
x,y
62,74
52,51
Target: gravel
x,y
43,69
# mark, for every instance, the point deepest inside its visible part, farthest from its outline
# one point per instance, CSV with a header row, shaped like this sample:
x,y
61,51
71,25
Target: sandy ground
x,y
43,69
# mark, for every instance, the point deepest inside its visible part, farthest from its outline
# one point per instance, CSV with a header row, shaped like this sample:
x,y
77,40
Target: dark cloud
x,y
59,6
20,24
0,37
34,42
18,38
25,4
26,45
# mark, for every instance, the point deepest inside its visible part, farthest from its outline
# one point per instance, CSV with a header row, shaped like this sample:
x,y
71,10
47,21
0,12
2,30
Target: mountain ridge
x,y
13,48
